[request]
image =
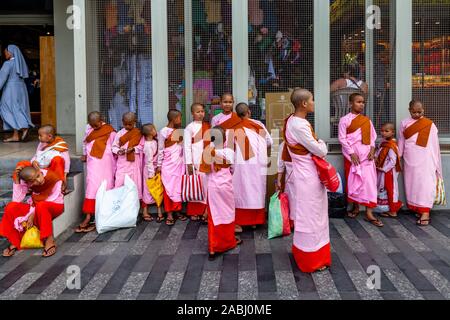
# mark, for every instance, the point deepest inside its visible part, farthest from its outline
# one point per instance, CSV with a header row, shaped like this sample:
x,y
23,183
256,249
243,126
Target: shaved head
x,y
242,110
94,116
299,96
173,114
147,129
389,126
196,105
129,117
28,173
48,129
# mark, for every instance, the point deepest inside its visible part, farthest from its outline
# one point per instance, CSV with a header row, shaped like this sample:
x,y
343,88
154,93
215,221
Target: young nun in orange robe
x,y
221,211
46,203
418,144
251,141
388,167
100,164
357,137
171,165
194,144
309,202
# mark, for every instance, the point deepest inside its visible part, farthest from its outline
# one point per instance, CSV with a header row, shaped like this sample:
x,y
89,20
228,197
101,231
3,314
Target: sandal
x,y
195,218
239,242
11,251
10,140
423,222
160,219
237,229
147,218
322,269
389,215
375,222
353,214
85,229
182,217
46,253
204,219
170,222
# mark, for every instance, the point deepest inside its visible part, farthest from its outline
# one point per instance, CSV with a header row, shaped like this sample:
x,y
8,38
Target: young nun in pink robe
x,y
171,165
150,161
419,145
194,145
100,164
309,202
357,137
250,168
221,211
128,145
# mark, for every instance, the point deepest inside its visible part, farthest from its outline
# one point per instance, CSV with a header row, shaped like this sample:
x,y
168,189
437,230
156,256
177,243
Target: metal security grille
x,y
431,60
212,51
361,60
119,59
280,49
175,29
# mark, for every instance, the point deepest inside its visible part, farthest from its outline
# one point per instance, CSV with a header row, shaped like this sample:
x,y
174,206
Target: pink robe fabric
x,y
220,191
219,119
193,152
98,170
362,179
124,167
389,164
421,166
150,161
250,176
170,160
309,205
65,155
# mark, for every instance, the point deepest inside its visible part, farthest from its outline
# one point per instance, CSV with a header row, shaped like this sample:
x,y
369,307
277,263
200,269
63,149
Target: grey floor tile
x,y
171,286
325,286
133,286
209,285
247,285
19,286
286,286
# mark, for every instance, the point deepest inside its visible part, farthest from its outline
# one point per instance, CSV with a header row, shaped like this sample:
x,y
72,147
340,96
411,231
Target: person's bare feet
x,y
424,220
354,212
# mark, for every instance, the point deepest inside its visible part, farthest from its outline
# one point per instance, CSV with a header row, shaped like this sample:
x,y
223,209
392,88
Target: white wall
x,y
338,162
65,84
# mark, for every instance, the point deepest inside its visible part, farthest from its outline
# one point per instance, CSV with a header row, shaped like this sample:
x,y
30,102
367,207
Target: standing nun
x,y
14,106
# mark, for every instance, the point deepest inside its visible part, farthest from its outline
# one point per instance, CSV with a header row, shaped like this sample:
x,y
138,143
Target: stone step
x,y
6,182
8,165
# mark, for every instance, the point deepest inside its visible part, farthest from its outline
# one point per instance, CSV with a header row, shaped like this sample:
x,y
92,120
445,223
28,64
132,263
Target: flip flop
x,y
160,219
352,215
195,218
11,252
420,222
239,241
86,229
46,255
148,218
170,222
182,217
237,229
388,215
375,222
10,141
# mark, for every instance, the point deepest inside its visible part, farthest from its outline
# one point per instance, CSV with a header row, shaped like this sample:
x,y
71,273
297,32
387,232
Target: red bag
x,y
284,203
327,174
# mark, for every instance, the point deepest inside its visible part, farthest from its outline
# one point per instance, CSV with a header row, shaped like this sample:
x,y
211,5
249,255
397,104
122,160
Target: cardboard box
x,y
278,108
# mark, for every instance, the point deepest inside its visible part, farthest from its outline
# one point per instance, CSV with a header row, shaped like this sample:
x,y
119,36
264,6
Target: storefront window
x,y
431,60
119,59
359,66
175,28
212,51
280,49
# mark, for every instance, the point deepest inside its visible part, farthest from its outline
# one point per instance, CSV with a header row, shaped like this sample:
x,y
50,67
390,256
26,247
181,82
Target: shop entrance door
x,y
48,83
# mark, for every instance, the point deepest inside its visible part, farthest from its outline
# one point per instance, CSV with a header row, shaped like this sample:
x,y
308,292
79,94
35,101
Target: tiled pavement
x,y
153,261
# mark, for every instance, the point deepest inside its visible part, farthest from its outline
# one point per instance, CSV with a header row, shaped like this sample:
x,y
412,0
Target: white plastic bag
x,y
116,208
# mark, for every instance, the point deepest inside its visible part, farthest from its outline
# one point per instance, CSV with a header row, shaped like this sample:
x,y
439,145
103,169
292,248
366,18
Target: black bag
x,y
337,205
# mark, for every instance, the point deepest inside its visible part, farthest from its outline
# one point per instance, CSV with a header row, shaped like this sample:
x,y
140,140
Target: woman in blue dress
x,y
14,105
